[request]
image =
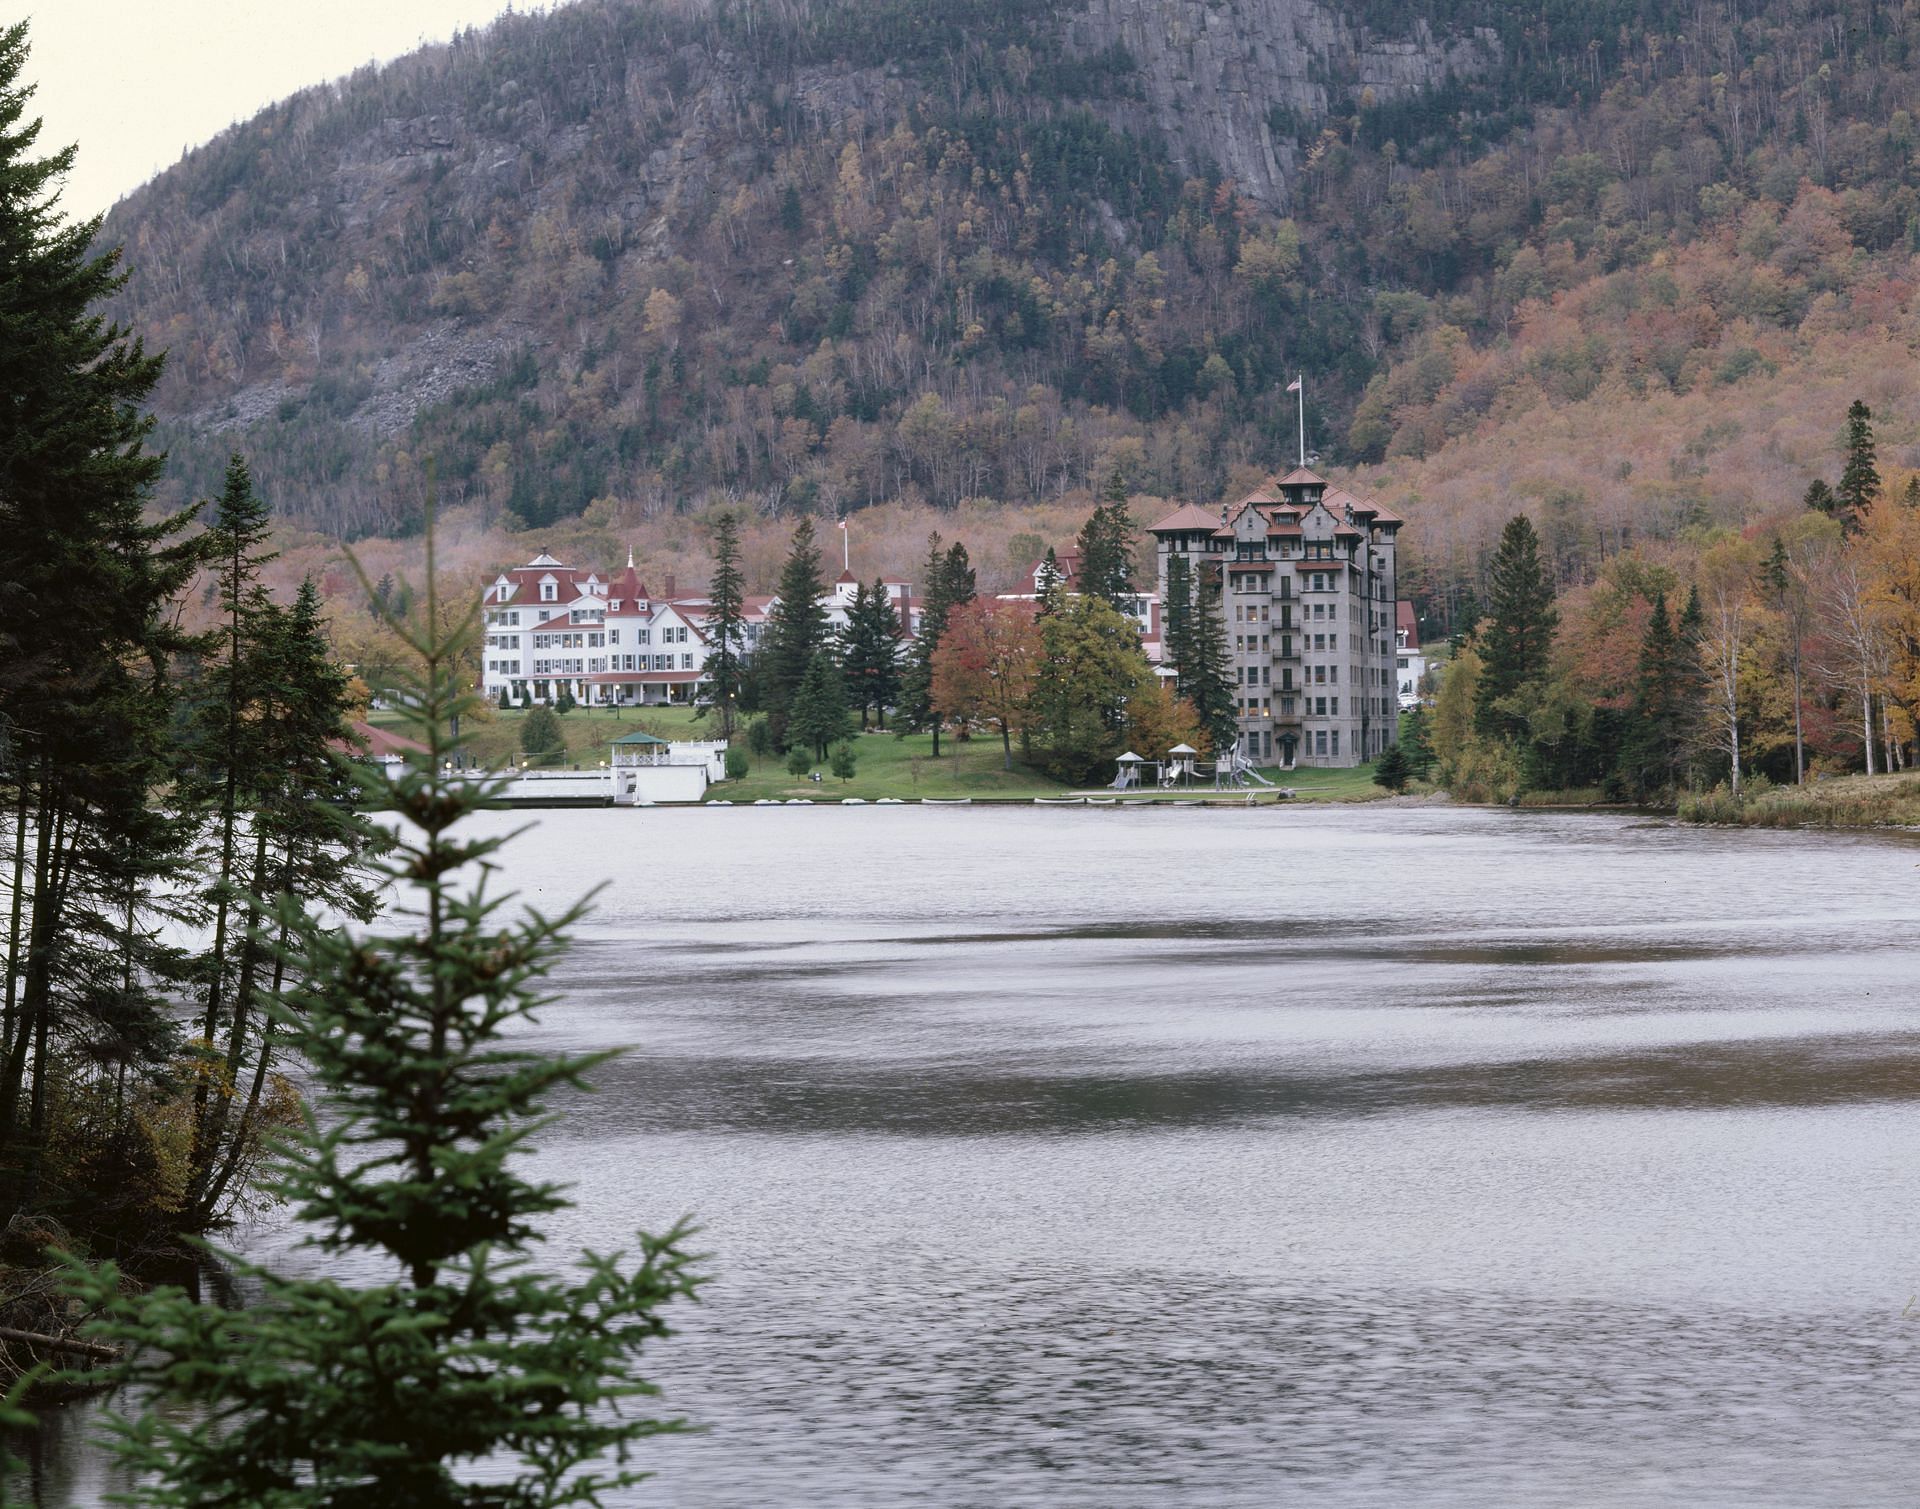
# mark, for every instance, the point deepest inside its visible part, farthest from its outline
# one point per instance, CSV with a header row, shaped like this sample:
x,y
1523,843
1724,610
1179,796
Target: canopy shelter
x,y
1129,773
641,749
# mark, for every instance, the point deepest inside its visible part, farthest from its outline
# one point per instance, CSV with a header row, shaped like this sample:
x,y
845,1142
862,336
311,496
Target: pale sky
x,y
137,82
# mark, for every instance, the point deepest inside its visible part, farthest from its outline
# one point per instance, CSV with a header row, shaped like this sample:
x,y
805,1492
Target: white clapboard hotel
x,y
608,641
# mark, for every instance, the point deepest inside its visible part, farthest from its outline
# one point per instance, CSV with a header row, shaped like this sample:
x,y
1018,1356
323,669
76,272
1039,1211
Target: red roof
x,y
1301,477
1069,563
376,743
1407,622
1190,518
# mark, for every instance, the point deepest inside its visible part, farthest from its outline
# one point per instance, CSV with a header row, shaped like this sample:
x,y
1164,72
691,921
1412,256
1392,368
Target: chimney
x,y
669,592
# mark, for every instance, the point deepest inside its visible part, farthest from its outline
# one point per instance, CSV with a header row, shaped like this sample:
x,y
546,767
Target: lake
x,y
1344,1156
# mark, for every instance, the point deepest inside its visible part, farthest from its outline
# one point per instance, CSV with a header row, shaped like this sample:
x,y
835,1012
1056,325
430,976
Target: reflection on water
x,y
1094,1157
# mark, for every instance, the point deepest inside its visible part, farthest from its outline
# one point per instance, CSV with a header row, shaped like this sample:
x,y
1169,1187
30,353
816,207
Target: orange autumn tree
x,y
984,666
1158,719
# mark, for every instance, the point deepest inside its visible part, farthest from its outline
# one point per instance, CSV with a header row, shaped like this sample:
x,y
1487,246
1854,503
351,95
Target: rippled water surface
x,y
1330,1156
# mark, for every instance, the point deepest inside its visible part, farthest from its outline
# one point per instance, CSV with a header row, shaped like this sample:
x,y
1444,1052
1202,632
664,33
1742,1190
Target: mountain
x,y
624,258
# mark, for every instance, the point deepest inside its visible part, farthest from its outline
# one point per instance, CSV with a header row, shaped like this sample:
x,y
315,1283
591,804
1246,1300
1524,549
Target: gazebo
x,y
640,749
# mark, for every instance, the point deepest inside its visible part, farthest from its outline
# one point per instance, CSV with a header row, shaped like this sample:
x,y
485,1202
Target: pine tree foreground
x,y
462,1352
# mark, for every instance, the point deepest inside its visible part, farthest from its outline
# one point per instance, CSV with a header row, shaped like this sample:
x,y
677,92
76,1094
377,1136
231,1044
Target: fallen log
x,y
60,1343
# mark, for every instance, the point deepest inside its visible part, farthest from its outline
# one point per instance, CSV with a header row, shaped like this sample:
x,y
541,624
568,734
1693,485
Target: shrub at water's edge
x,y
1883,801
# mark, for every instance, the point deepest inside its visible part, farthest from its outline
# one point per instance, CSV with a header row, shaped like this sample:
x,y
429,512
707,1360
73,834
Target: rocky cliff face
x,y
1211,71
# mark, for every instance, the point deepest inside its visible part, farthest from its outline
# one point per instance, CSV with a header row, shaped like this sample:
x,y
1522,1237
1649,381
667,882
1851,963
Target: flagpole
x,y
846,547
1300,387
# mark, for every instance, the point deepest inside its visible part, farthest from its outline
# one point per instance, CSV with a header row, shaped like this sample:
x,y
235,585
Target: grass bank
x,y
886,766
1853,801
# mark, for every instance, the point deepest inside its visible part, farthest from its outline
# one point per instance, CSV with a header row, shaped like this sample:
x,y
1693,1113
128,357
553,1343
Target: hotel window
x,y
1336,741
1320,707
1321,742
613,636
549,593
1286,707
1336,707
686,662
640,635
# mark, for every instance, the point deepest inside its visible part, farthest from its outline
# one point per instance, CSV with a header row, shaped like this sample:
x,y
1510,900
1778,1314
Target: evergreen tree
x,y
85,706
1650,758
726,596
820,715
958,580
309,848
1392,769
845,762
1518,634
1416,742
796,630
229,765
318,1392
916,682
1860,480
871,650
564,703
1106,546
1052,582
1049,577
540,733
505,701
1820,498
1689,681
1209,682
1177,640
799,761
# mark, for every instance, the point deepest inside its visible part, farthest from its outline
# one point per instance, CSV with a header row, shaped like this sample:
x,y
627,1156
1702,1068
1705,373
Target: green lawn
x,y
887,766
494,738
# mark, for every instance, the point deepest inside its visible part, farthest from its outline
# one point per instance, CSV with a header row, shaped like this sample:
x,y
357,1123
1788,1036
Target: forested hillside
x,y
622,259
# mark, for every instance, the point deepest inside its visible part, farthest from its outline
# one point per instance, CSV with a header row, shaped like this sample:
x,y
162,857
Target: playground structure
x,y
1183,769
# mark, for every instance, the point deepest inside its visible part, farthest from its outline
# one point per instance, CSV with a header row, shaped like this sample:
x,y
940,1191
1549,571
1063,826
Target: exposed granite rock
x,y
1210,72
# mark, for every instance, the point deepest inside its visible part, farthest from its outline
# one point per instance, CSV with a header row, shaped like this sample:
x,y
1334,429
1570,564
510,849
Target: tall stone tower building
x,y
1309,585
